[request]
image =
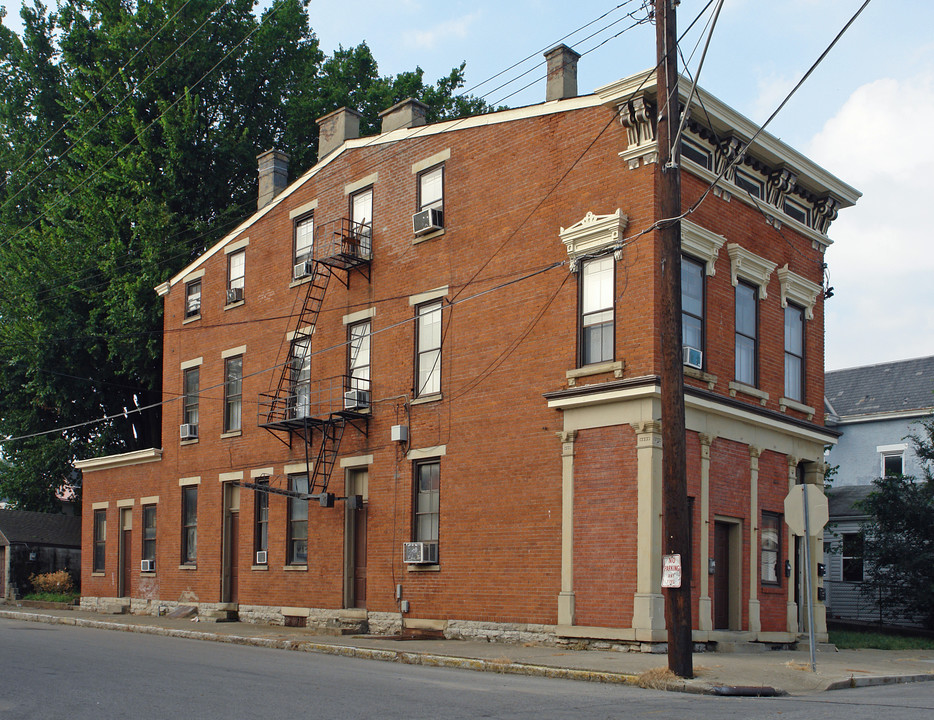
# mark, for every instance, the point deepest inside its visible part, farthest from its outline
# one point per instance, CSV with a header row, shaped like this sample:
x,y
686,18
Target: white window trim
x,y
427,453
892,449
189,364
233,352
235,246
593,234
302,332
149,500
196,275
356,461
303,209
701,243
299,469
428,162
798,290
128,502
100,505
750,267
182,482
428,296
359,316
230,476
261,472
351,188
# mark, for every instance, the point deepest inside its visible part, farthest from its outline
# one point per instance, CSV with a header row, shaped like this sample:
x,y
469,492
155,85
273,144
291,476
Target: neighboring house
x,y
877,408
33,543
420,386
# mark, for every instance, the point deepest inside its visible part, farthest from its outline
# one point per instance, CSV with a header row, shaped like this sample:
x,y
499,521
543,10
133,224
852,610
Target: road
x,y
57,671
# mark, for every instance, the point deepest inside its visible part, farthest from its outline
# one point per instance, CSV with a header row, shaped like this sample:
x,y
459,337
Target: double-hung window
x,y
596,310
261,521
427,502
149,532
428,349
361,213
358,356
893,463
692,303
304,238
300,373
431,189
193,298
100,540
190,402
852,557
298,521
770,535
189,524
233,393
794,352
747,334
236,268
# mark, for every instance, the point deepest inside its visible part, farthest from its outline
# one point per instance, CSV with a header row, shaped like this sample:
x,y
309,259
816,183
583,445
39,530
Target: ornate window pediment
x,y
749,267
798,290
701,243
593,234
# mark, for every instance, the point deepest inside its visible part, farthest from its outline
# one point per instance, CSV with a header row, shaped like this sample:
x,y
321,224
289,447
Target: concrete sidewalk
x,y
759,673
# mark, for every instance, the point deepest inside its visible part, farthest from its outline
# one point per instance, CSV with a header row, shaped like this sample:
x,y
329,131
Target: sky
x,y
856,116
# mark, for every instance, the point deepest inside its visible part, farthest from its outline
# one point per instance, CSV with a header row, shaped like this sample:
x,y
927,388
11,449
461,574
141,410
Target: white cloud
x,y
772,89
432,37
882,262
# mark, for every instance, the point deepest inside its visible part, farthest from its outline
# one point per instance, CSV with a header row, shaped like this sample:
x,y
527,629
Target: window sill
x,y
232,433
261,568
187,566
422,400
711,380
418,239
231,306
295,568
191,318
99,573
422,568
301,281
147,574
738,387
616,367
182,443
785,404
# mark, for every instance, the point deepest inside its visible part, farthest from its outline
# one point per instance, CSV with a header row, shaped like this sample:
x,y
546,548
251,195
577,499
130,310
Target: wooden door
x,y
126,564
232,560
359,558
721,585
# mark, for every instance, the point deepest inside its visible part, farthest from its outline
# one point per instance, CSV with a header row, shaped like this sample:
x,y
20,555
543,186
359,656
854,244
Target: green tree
x,y
899,537
129,131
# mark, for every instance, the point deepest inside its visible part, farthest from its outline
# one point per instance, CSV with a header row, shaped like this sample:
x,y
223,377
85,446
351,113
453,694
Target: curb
x,y
873,680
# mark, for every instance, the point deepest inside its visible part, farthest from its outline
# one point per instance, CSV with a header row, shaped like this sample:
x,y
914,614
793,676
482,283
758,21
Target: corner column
x,y
755,623
566,596
648,615
792,603
704,605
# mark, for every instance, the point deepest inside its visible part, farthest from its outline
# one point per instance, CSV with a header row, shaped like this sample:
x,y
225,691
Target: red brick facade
x,y
526,514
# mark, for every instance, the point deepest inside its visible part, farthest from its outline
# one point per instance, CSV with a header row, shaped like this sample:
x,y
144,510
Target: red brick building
x,y
419,386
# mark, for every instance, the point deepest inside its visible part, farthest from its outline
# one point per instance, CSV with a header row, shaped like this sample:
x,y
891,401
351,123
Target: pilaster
x,y
754,620
566,596
648,602
704,604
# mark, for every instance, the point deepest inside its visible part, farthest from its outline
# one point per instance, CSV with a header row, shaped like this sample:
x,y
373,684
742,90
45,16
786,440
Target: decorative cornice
x,y
137,457
593,234
799,290
701,243
751,267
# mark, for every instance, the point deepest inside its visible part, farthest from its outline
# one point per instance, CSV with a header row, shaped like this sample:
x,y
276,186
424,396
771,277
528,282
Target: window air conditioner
x,y
188,431
234,295
147,565
693,358
193,308
420,553
426,221
356,399
303,269
260,557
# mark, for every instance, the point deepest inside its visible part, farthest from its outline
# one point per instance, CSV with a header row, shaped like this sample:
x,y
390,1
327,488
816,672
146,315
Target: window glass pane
x,y
598,284
892,465
793,378
304,238
852,557
431,188
363,207
193,298
746,309
745,360
237,261
692,287
428,364
770,536
359,354
429,326
794,330
233,391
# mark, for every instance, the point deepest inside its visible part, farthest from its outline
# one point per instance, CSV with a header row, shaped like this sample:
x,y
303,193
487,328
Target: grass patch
x,y
855,640
52,597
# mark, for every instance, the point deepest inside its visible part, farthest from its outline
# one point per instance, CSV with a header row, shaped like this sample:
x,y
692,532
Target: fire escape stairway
x,y
332,430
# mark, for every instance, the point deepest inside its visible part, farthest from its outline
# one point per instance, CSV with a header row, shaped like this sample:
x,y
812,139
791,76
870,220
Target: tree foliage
x,y
899,538
129,131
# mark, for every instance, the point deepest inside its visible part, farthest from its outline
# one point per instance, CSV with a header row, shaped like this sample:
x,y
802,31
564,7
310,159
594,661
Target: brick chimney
x,y
273,169
562,73
408,113
335,128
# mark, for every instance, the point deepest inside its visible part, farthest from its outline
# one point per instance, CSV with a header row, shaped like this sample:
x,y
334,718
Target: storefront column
x,y
566,596
648,617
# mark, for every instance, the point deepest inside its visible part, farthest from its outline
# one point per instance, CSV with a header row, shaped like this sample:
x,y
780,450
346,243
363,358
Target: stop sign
x,y
818,513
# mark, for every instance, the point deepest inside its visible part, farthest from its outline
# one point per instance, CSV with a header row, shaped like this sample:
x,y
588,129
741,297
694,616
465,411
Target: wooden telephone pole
x,y
676,539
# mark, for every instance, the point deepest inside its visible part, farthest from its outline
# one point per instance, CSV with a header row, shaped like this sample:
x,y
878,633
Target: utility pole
x,y
676,539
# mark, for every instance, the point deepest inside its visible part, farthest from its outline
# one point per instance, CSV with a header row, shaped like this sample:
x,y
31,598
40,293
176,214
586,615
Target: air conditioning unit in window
x,y
356,399
147,565
693,357
260,557
420,553
303,269
234,295
188,431
193,308
426,221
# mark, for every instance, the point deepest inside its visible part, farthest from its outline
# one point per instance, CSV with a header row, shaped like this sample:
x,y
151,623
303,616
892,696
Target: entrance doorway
x,y
727,553
125,551
231,561
355,540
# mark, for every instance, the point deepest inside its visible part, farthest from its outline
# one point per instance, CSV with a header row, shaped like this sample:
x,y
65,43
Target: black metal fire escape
x,y
316,412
